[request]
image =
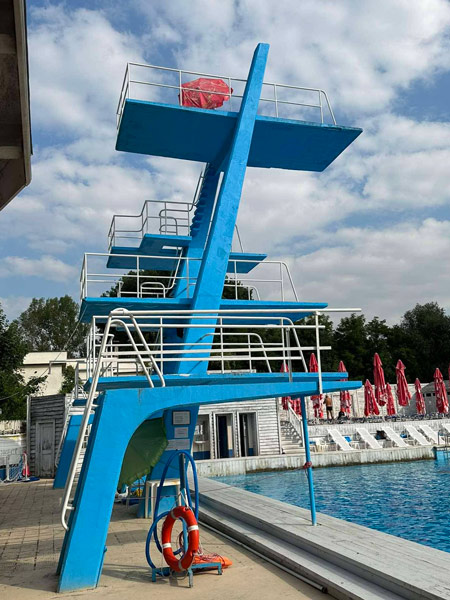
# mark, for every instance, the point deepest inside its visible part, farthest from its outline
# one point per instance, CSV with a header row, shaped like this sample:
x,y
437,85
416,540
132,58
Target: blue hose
x,y
157,517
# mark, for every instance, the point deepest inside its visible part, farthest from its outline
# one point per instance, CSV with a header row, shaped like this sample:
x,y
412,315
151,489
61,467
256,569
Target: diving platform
x,y
204,135
161,254
178,318
266,311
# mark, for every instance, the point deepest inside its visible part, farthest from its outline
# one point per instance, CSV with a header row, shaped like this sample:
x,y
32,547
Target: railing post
x,y
222,361
276,99
281,282
181,97
321,107
319,361
308,464
161,343
138,295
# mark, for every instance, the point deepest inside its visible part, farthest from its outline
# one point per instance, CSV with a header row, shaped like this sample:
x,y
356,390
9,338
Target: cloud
x,y
385,272
364,54
14,305
45,267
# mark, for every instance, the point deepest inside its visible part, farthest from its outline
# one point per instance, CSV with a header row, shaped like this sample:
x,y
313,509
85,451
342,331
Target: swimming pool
x,y
410,499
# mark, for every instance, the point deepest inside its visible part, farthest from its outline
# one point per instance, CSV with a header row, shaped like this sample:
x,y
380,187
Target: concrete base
x,y
240,466
351,561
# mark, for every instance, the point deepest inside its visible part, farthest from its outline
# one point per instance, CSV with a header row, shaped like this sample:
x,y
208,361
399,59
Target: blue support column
x,y
309,471
211,278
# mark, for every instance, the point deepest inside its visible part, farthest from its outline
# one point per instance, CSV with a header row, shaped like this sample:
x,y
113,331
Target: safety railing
x,y
164,217
140,338
269,279
164,85
295,423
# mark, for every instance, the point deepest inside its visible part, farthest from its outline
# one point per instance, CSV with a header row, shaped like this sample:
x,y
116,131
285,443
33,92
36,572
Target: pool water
x,y
409,499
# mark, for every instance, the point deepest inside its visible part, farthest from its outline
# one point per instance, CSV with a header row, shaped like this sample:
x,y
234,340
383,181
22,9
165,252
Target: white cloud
x,y
45,267
363,54
14,305
384,272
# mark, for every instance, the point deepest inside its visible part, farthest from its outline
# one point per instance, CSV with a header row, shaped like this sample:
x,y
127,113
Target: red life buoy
x,y
186,514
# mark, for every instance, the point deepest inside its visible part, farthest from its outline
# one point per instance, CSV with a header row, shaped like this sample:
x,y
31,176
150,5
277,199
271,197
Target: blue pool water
x,y
410,499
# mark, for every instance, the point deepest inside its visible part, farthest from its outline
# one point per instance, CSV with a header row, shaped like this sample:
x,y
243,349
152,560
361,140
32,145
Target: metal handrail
x,y
234,280
113,320
295,422
179,74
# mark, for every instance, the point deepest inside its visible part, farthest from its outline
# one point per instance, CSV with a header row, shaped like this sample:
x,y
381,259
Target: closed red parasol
x,y
205,93
390,407
286,400
370,403
344,396
440,392
403,394
378,380
316,400
420,401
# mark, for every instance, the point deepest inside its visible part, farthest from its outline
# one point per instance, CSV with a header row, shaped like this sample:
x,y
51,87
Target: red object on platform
x,y
378,380
403,394
420,401
344,395
205,93
370,402
316,400
440,392
390,406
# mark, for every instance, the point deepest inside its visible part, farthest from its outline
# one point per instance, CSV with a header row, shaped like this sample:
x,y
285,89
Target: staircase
x,y
290,441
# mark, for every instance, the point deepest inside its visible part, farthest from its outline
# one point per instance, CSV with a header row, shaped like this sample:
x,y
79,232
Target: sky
x,y
372,231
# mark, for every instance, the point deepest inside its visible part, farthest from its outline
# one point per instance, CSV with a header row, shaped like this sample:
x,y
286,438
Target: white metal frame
x,y
144,289
164,78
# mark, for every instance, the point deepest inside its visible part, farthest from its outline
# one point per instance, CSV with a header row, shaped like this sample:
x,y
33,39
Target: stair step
x,y
339,583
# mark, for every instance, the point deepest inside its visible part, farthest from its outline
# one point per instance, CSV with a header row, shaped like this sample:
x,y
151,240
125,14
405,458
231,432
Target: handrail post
x,y
137,272
308,464
222,361
276,99
319,361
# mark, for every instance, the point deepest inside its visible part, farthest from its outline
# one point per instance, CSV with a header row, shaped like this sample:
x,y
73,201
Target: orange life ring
x,y
186,514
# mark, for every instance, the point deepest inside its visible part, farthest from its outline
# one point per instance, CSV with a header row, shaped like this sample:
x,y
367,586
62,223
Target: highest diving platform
x,y
175,310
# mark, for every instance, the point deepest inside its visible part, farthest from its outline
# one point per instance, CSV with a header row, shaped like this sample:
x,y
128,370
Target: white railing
x,y
261,338
270,279
165,85
152,356
295,423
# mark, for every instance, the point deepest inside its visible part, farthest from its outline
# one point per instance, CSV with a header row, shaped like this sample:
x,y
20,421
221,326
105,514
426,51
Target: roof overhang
x,y
15,126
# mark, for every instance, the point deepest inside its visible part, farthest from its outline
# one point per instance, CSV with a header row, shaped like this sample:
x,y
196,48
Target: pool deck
x,y
31,537
352,561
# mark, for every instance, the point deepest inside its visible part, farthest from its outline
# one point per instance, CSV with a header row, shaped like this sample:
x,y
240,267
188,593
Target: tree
x,y
422,340
13,389
350,344
51,324
68,382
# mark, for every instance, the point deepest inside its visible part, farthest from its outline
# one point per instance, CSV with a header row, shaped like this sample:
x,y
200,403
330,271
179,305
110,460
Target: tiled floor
x,y
31,537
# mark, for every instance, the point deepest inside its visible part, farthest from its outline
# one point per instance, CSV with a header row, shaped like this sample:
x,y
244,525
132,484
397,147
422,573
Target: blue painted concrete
x,y
164,264
67,450
103,306
228,142
204,135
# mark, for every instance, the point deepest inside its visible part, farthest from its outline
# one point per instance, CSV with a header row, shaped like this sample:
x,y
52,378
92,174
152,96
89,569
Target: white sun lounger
x,y
430,433
394,437
339,439
416,435
368,438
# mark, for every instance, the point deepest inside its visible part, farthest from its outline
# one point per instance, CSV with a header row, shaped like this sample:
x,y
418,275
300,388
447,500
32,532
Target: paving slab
x,y
31,537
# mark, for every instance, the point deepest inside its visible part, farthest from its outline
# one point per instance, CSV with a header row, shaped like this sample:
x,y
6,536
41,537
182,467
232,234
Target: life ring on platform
x,y
186,514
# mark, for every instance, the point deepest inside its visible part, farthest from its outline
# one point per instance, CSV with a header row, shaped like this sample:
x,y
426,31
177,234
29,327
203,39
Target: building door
x,y
45,449
224,430
247,434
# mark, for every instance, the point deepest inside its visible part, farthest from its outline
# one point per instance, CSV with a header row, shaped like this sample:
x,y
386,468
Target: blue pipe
x,y
156,517
309,473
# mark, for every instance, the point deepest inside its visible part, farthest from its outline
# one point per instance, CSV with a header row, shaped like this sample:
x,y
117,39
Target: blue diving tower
x,y
180,315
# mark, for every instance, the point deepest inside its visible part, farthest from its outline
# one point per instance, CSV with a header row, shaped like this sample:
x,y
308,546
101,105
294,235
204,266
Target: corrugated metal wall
x,y
45,409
